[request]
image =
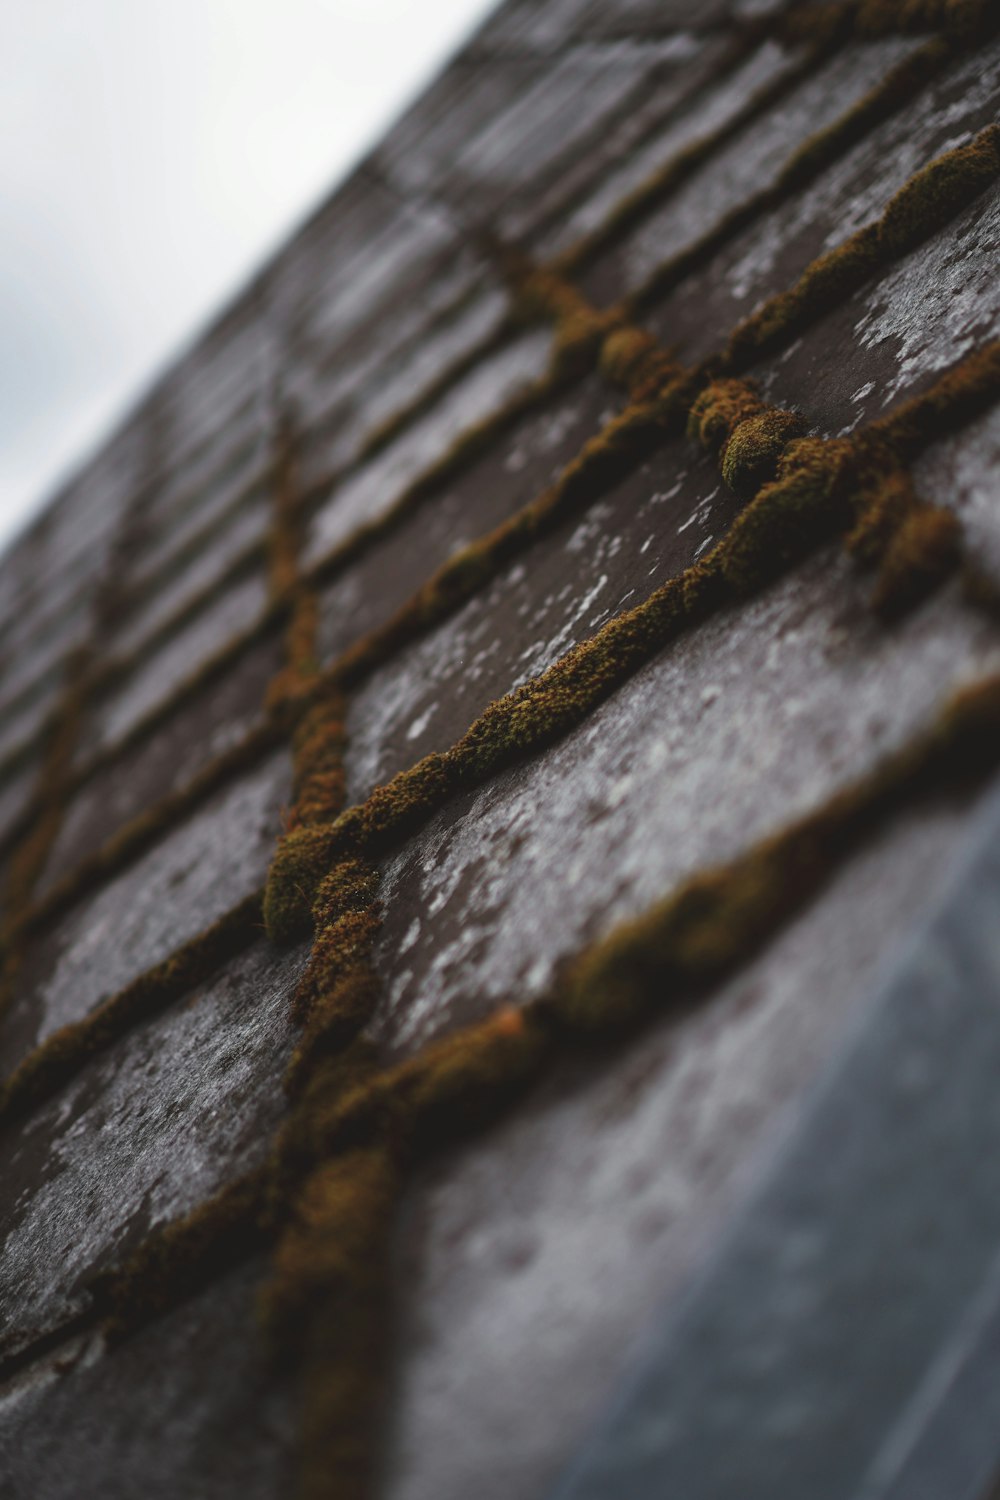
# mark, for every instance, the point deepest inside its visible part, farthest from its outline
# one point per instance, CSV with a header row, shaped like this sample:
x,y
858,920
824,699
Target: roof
x,y
472,743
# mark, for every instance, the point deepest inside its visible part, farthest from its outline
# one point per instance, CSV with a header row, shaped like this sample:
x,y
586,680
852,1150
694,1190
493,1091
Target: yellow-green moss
x,y
967,20
969,388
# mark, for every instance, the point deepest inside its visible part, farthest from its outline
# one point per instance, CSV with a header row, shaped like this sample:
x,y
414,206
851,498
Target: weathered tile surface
x,y
769,256
511,473
147,1132
187,1406
196,873
745,165
891,340
530,1263
737,728
376,484
559,592
157,675
203,725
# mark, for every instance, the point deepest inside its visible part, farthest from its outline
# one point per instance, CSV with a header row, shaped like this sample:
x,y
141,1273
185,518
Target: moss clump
x,y
747,434
805,506
921,555
300,861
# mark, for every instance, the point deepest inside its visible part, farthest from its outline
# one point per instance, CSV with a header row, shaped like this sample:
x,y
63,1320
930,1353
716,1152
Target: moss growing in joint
x,y
299,863
301,858
920,556
933,196
806,505
719,919
966,20
914,546
453,1087
929,200
325,1308
181,1258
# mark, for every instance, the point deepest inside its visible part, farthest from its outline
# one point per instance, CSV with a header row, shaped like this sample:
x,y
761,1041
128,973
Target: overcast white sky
x,y
151,153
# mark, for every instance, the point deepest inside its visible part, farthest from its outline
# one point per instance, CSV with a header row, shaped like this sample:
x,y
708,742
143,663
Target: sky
x,y
152,153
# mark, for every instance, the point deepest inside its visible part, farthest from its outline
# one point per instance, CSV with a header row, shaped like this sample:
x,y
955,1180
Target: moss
x,y
806,505
807,159
930,199
915,546
822,488
922,553
325,1308
299,863
933,196
451,1088
339,991
896,89
622,443
748,435
967,390
966,20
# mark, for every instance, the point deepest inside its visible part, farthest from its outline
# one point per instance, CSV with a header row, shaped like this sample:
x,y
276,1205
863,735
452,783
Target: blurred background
x,y
152,153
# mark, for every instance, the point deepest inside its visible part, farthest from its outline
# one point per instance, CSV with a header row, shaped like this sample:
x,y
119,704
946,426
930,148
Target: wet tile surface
x,y
768,257
145,1133
892,340
158,674
530,1263
737,728
203,726
746,165
559,592
512,473
197,872
376,484
187,1406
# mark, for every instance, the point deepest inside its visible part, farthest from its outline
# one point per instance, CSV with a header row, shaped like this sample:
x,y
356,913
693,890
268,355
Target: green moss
x,y
300,861
806,505
968,389
966,20
922,553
